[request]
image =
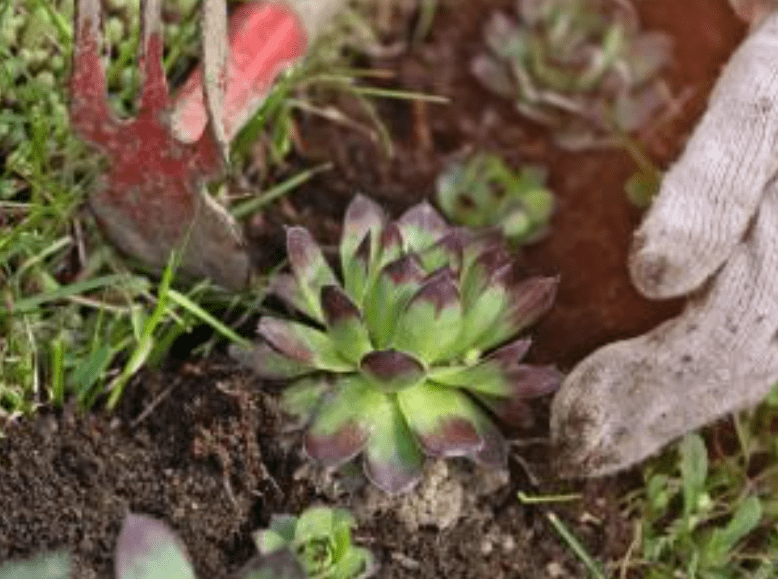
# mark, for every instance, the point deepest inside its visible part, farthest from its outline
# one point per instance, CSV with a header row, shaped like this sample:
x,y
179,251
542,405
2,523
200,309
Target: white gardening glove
x,y
711,234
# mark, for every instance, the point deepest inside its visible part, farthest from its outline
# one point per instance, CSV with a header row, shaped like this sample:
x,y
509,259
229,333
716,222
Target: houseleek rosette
x,y
409,355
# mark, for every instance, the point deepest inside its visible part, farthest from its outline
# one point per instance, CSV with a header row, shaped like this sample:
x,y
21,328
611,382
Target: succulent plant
x,y
482,191
148,549
321,539
402,359
580,66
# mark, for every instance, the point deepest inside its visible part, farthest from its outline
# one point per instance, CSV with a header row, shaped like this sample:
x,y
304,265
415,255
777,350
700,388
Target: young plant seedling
x,y
321,539
484,192
401,358
583,67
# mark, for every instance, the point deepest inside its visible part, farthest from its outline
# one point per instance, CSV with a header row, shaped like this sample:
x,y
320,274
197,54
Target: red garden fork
x,y
153,199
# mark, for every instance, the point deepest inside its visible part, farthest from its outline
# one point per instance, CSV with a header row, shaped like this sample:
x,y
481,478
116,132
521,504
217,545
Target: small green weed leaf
x,y
281,564
443,419
309,267
148,549
302,343
391,370
314,523
344,323
50,566
694,471
642,187
393,461
723,541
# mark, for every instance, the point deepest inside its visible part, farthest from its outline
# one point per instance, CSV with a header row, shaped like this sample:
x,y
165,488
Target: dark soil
x,y
202,448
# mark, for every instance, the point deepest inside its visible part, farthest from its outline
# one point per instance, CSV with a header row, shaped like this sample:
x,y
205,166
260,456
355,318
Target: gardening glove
x,y
711,234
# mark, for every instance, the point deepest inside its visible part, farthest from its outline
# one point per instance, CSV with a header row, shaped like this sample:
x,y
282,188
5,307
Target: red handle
x,y
264,40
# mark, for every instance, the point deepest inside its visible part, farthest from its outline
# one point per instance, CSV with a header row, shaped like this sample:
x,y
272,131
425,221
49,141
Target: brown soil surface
x,y
210,459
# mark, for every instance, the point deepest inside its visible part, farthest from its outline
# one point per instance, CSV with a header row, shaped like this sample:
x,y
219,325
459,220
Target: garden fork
x,y
153,200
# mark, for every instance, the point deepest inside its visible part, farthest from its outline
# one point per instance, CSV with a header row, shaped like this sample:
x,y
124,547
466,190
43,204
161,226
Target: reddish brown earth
x,y
210,459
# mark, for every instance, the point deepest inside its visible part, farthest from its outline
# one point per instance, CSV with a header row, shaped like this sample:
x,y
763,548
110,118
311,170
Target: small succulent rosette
x,y
413,352
483,191
583,67
320,538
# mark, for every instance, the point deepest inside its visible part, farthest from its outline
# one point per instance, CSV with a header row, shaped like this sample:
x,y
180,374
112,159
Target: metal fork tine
x,y
89,112
154,94
215,62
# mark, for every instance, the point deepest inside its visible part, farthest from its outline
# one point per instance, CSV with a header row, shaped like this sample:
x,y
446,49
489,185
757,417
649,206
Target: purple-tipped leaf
x,y
148,549
421,226
447,251
339,430
443,419
363,216
286,287
390,245
309,267
391,370
344,323
302,343
392,458
494,451
430,323
528,301
394,287
269,363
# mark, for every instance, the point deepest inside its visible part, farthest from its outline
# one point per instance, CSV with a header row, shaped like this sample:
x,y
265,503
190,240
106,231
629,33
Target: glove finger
x,y
711,193
630,398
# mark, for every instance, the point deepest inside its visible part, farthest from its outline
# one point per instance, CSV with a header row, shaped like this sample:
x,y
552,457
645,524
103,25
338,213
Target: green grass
x,y
75,320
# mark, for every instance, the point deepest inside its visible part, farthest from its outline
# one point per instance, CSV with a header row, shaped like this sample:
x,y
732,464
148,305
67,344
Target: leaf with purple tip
x,y
269,363
391,370
394,287
303,398
430,323
527,302
443,419
309,267
303,343
339,430
494,451
286,287
421,226
392,458
344,323
363,217
148,549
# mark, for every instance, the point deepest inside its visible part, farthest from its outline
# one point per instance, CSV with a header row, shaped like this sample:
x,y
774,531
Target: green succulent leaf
x,y
501,374
391,370
357,271
148,549
310,269
430,323
303,343
340,428
286,287
493,453
392,459
527,301
269,541
421,226
315,523
269,363
394,287
48,566
363,218
302,398
444,420
344,323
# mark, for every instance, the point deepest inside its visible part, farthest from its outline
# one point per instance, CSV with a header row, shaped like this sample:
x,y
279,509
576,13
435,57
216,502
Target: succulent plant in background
x,y
321,539
482,191
581,66
47,566
402,358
